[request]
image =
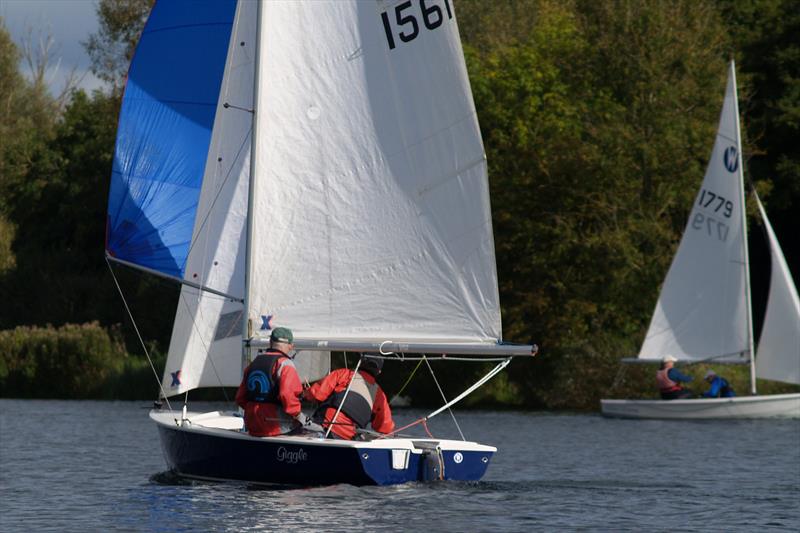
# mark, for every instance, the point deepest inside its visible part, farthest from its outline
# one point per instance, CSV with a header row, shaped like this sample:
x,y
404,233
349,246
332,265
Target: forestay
x,y
702,309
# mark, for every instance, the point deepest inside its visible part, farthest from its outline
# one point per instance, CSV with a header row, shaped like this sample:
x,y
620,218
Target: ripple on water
x,y
98,467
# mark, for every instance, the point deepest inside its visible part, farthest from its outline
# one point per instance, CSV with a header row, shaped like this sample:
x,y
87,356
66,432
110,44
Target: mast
x,y
246,325
748,299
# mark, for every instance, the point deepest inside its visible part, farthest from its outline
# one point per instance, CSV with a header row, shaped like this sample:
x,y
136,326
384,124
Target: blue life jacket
x,y
262,381
720,388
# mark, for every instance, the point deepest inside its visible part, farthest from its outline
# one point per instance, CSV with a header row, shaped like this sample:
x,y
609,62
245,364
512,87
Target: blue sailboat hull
x,y
220,453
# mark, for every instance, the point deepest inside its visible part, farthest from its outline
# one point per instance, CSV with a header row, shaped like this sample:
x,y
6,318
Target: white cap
x,y
710,374
668,359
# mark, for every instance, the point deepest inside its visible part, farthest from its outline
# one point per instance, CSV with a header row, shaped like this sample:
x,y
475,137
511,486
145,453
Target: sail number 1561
x,y
406,24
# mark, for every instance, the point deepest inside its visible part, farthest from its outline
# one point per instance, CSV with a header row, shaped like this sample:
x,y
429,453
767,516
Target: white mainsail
x,y
370,211
778,355
371,217
702,311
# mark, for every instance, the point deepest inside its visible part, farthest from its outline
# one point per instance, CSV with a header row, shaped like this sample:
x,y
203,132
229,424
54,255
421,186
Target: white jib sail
x,y
702,309
371,209
778,355
206,345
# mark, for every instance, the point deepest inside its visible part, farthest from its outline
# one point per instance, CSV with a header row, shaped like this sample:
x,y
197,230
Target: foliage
x,y
54,188
135,380
597,124
26,117
73,361
57,206
597,117
764,34
111,48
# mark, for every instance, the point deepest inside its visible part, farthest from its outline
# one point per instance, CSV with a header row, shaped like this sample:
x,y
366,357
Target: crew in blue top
x,y
719,386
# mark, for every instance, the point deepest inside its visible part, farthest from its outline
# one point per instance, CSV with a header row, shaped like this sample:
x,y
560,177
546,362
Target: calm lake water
x,y
97,466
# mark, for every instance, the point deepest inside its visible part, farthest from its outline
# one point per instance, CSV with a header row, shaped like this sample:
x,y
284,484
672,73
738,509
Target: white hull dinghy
x,y
704,314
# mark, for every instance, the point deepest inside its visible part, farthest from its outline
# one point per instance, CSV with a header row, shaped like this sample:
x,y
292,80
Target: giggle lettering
x,y
285,456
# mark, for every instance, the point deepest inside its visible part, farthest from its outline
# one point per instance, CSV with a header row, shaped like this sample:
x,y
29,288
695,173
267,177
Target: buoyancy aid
x,y
664,383
262,381
359,401
726,391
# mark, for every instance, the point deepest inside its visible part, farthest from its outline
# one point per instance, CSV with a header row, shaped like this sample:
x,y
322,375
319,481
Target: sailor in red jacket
x,y
365,402
270,390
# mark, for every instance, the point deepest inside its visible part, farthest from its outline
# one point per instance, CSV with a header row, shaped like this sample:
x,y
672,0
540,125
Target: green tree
x,y
26,119
59,208
764,33
597,124
111,48
11,83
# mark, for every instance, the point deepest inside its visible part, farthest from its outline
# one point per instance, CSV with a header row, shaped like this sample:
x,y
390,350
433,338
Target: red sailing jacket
x,y
267,419
345,428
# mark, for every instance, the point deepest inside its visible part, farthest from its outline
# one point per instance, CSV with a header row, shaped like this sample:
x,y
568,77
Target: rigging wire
x,y
618,378
136,328
346,392
453,416
476,385
406,383
219,191
457,399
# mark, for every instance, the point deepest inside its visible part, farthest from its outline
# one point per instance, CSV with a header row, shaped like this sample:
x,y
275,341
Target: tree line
x,y
597,117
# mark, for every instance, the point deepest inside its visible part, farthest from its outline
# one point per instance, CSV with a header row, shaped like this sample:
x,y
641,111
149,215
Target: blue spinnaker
x,y
164,132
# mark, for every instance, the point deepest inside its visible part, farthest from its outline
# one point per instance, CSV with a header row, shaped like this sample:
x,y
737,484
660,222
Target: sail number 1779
x,y
406,25
717,210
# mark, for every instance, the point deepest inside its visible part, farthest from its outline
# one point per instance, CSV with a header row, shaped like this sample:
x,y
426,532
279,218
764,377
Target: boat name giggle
x,y
285,456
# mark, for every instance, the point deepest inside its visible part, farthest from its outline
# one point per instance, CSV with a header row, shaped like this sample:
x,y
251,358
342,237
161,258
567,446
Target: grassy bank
x,y
88,361
75,361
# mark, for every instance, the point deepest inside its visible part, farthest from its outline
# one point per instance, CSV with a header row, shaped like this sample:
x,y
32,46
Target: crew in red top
x,y
364,404
270,390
